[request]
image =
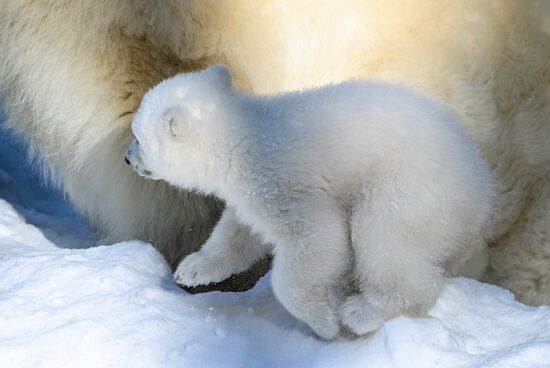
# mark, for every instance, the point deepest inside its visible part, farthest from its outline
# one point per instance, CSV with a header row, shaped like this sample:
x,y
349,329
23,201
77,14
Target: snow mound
x,y
64,303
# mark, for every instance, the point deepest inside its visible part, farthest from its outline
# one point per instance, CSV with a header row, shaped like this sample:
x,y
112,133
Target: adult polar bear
x,y
73,73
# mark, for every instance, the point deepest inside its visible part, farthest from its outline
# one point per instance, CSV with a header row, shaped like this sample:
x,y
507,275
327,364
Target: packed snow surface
x,y
65,302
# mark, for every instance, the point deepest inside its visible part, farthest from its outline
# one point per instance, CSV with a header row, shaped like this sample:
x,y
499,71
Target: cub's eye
x,y
174,118
171,122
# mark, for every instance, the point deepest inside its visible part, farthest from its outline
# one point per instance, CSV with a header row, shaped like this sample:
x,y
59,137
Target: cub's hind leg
x,y
399,244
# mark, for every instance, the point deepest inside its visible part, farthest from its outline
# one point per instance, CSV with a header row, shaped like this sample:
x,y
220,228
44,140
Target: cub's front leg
x,y
308,270
231,248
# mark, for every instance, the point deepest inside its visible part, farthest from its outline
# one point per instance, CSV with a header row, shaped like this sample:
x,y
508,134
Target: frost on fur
x,y
363,178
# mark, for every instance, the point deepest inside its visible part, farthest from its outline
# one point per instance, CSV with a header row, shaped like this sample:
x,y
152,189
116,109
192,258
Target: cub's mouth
x,y
133,158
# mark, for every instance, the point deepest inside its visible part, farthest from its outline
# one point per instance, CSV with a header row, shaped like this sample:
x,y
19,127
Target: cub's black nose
x,y
126,160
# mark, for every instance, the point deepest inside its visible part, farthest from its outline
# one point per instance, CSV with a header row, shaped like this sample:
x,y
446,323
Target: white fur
x,y
73,72
372,164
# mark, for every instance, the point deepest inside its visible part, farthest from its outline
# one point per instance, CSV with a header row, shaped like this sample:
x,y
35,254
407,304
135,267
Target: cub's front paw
x,y
326,325
360,315
201,269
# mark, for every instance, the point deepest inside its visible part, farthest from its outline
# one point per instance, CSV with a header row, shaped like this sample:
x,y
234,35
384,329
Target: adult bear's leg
x,y
72,96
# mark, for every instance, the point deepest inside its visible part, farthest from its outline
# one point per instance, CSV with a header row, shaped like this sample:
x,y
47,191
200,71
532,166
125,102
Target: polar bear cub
x,y
360,180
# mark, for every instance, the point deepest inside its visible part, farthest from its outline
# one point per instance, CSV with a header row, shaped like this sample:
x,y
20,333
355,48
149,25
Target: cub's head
x,y
177,123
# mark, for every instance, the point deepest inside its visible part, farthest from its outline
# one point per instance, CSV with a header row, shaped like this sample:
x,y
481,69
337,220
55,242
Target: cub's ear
x,y
220,75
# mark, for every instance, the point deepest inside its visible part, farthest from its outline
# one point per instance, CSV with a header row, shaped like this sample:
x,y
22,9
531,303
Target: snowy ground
x,y
64,303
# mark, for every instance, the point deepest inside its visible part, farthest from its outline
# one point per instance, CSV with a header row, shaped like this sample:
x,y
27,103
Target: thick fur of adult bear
x,y
73,72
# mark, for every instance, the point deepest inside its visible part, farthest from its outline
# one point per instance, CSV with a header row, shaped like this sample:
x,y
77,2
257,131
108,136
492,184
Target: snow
x,y
67,303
